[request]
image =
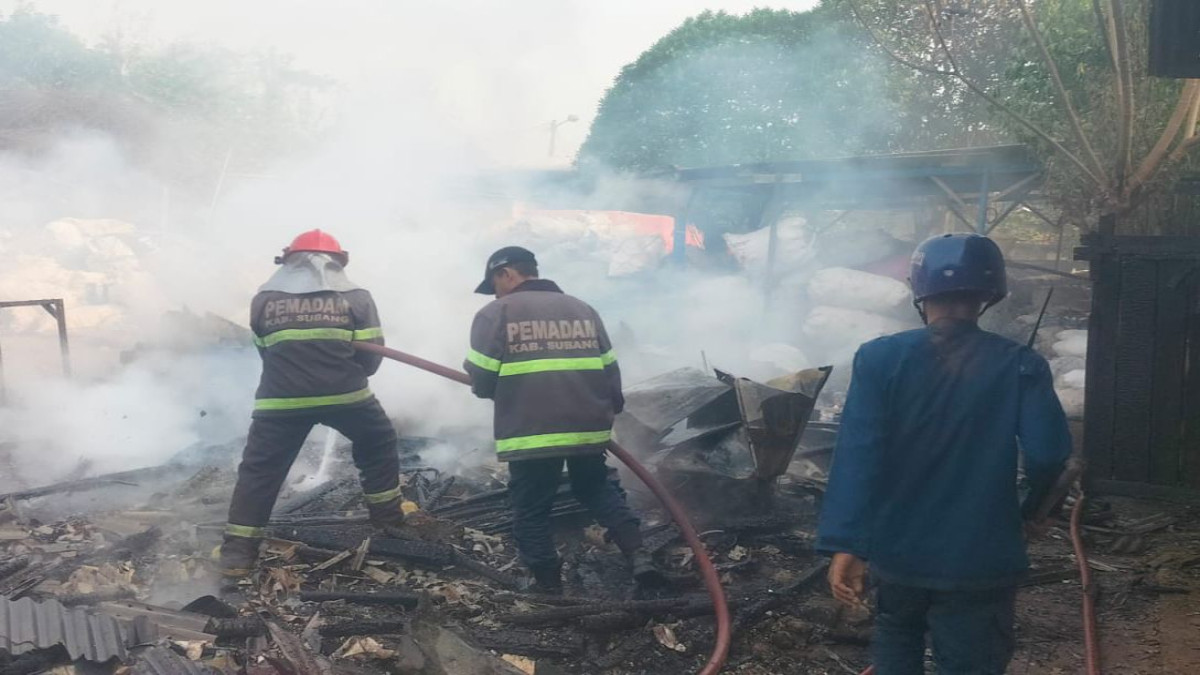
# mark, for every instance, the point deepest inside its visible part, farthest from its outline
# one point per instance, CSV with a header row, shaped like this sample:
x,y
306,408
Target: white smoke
x,y
391,184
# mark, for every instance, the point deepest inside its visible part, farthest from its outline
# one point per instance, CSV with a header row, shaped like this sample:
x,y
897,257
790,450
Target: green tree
x,y
1068,76
770,85
178,111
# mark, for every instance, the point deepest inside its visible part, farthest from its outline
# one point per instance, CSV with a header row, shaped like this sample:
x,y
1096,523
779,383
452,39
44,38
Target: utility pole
x,y
554,125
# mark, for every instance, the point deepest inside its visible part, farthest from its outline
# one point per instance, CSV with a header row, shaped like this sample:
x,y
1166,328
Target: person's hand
x,y
847,579
1036,529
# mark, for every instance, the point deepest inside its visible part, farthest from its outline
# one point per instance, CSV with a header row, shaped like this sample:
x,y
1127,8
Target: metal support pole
x,y
679,232
981,220
1058,251
58,309
772,210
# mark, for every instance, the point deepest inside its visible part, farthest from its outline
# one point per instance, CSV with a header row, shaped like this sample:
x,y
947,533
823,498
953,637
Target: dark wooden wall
x,y
1142,416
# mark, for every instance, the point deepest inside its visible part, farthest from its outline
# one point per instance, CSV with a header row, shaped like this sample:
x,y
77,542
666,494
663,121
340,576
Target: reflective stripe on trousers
x,y
302,402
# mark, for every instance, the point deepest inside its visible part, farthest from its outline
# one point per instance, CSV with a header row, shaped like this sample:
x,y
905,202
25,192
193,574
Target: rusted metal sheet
x,y
775,415
26,626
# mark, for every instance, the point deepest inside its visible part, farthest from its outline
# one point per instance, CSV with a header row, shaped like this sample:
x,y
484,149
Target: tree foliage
x,y
726,89
1069,77
178,111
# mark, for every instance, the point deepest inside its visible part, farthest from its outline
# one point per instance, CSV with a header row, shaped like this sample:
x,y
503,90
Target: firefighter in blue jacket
x,y
923,487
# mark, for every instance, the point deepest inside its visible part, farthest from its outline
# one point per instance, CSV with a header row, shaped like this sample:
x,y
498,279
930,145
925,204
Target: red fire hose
x,y
707,572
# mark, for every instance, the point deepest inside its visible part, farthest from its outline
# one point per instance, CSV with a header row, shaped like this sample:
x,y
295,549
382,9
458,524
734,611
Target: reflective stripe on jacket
x,y
546,360
306,344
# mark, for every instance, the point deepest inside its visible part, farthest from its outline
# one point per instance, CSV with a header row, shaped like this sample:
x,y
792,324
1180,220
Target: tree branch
x,y
878,40
1061,90
1188,99
1125,72
957,73
1189,127
1102,22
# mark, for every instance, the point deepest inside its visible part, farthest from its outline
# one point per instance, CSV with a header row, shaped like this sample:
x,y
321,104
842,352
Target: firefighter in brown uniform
x,y
546,360
305,320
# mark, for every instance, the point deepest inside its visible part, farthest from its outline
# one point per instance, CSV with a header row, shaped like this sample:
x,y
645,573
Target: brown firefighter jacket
x,y
546,360
306,344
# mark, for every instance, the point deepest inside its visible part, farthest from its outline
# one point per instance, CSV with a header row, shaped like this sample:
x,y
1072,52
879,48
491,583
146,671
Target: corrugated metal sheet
x,y
26,625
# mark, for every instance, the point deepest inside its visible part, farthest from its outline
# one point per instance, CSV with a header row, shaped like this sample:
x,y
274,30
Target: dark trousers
x,y
971,631
275,442
532,485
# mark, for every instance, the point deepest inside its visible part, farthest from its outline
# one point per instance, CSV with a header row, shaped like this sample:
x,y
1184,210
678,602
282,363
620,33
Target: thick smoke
x,y
395,184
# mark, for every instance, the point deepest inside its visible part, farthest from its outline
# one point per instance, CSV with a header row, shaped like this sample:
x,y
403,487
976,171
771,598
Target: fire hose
x,y
1091,646
708,573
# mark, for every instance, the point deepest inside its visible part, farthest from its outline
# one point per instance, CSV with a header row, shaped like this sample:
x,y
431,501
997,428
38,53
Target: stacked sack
x,y
850,307
1069,367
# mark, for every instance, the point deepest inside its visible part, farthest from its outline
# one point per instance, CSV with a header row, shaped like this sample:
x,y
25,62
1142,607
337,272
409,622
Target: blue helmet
x,y
952,263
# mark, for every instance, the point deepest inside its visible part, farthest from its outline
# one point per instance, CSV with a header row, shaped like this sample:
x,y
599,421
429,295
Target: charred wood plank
x,y
13,566
437,493
626,650
243,627
613,622
299,661
119,478
754,611
501,494
403,598
530,642
419,552
488,572
348,628
538,599
560,615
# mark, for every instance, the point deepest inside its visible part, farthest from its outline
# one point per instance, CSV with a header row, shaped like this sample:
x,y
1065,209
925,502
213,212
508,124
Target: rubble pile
x,y
135,585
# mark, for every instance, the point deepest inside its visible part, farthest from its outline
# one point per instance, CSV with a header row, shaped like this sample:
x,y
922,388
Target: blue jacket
x,y
924,477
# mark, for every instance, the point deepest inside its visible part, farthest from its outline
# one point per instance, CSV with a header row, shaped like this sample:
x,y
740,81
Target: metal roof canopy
x,y
965,180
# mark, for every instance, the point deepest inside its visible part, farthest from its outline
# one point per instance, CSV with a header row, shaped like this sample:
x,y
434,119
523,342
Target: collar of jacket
x,y
950,328
538,285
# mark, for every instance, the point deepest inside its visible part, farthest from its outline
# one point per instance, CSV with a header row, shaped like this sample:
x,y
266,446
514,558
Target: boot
x,y
629,540
386,516
547,579
238,556
644,570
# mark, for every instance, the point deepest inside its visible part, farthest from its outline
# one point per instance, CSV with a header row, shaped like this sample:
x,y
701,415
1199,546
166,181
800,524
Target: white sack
x,y
637,254
1072,401
1071,335
1064,364
1074,379
794,246
847,328
854,289
782,357
1073,346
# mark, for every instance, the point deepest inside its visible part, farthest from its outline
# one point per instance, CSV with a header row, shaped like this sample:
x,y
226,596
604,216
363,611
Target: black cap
x,y
505,256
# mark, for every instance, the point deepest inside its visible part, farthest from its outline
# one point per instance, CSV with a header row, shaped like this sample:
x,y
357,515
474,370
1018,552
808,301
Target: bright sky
x,y
493,73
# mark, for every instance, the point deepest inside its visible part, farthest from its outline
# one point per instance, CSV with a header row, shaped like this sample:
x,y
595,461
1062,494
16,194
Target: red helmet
x,y
316,241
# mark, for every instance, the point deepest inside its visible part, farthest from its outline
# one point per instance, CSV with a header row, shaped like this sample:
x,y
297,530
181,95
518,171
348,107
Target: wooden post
x,y
58,309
